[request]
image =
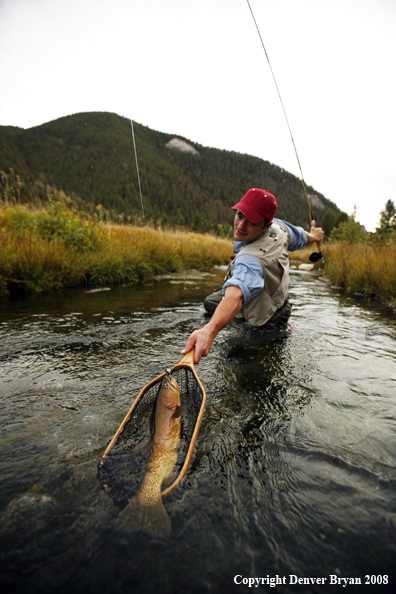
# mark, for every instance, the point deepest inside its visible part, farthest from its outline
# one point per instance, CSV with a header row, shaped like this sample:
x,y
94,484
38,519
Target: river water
x,y
293,474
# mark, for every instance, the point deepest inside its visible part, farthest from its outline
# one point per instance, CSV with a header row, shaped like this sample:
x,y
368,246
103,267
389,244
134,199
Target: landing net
x,y
122,466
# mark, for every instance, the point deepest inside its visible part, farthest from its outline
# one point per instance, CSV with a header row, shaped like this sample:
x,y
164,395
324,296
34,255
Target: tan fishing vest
x,y
271,251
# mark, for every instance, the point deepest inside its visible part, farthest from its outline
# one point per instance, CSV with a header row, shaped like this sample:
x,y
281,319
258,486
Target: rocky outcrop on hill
x,y
181,145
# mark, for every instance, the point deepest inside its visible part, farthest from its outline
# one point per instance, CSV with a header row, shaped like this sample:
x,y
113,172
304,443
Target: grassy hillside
x,y
90,156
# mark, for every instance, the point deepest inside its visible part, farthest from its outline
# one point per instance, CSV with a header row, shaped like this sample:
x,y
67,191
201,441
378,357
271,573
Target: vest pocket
x,y
273,277
278,296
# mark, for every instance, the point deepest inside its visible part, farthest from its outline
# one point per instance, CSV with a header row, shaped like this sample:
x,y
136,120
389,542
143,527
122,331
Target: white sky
x,y
198,70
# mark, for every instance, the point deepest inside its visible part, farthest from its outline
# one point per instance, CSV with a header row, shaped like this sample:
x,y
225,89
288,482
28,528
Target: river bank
x,y
57,248
362,268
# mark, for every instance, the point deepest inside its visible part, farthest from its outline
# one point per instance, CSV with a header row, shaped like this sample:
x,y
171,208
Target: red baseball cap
x,y
257,205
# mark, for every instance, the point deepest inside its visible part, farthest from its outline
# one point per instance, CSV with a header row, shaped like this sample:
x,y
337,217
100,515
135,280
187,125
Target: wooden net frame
x,y
124,461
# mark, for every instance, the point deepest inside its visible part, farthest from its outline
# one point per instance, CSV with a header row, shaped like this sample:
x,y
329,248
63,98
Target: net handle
x,y
188,358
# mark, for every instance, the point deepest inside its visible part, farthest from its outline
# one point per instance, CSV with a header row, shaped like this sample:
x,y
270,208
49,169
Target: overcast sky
x,y
197,69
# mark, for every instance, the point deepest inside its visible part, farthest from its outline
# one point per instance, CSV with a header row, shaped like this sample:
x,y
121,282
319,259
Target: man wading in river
x,y
257,284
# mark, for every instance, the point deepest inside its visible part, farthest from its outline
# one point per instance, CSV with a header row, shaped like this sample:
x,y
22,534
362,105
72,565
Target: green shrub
x,y
60,223
18,220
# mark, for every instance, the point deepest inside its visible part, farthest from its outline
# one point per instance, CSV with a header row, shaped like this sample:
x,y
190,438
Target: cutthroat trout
x,y
146,511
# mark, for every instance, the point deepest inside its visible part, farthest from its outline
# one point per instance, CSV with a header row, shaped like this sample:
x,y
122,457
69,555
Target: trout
x,y
146,511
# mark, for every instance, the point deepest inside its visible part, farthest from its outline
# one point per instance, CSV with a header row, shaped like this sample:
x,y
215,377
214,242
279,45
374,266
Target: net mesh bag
x,y
123,464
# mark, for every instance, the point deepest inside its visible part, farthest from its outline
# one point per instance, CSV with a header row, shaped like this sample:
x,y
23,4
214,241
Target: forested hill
x,y
91,156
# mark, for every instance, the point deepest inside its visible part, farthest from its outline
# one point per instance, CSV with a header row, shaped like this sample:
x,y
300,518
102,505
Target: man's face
x,y
244,230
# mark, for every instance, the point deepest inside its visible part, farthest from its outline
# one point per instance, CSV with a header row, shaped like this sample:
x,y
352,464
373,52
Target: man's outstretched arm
x,y
226,311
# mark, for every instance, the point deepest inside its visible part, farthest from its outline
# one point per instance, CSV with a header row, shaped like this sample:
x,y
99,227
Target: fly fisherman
x,y
257,284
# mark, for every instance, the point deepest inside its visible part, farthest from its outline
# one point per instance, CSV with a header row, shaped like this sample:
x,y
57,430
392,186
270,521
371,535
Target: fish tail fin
x,y
149,517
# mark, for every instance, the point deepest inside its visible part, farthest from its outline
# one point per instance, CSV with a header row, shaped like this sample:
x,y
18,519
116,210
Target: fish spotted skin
x,y
146,511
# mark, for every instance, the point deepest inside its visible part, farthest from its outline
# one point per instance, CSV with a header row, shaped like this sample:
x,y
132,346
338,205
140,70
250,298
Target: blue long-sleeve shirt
x,y
248,274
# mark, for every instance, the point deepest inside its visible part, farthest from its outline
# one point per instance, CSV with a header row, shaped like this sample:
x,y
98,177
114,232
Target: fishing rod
x,y
314,256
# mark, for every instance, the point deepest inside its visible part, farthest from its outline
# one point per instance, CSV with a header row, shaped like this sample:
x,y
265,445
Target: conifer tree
x,y
388,217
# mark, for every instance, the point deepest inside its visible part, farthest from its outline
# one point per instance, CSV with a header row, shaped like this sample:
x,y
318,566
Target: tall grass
x,y
363,268
55,248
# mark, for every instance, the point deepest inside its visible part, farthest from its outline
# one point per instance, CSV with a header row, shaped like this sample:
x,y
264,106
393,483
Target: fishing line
x,y
284,111
141,201
137,170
